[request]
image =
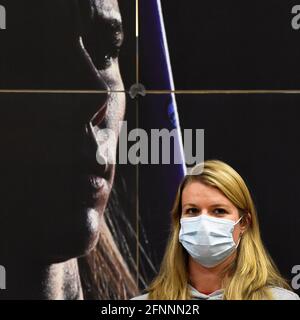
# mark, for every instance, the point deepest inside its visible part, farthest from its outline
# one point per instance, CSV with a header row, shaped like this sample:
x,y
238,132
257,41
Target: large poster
x,y
106,106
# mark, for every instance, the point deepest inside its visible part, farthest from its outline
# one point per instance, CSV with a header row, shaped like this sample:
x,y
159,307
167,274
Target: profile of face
x,y
53,190
201,199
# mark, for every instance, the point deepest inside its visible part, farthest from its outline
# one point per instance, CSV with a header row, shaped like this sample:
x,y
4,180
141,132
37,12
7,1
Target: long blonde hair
x,y
251,273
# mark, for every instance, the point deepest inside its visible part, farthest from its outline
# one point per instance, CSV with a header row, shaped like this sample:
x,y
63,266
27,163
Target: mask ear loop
x,y
239,219
240,237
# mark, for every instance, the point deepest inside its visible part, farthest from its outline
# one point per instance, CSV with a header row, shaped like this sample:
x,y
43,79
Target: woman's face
x,y
198,199
54,192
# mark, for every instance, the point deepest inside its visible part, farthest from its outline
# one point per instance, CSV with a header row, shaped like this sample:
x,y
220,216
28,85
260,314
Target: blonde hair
x,y
251,273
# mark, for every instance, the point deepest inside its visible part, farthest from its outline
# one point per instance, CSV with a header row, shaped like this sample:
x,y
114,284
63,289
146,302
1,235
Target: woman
x,y
54,239
215,250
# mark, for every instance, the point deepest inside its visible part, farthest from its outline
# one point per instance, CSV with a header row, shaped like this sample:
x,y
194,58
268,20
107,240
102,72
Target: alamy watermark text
x,y
2,17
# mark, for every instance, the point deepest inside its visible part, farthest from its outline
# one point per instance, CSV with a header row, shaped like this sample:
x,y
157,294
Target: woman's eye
x,y
219,211
102,54
191,211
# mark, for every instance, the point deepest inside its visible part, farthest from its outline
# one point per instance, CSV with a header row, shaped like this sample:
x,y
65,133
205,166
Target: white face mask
x,y
207,239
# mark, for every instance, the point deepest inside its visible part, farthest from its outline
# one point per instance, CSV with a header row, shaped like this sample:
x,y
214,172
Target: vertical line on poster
x,y
137,39
137,204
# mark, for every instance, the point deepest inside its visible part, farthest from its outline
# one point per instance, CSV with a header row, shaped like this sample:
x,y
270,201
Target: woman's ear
x,y
245,222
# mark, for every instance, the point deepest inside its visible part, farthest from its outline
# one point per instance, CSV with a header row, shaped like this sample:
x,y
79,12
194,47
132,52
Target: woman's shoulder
x,y
141,297
283,294
277,292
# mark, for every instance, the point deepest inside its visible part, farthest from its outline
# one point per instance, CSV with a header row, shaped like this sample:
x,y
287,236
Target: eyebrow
x,y
211,206
105,21
190,205
219,205
112,20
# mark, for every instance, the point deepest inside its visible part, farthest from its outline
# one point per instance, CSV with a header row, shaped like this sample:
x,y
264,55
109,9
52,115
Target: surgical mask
x,y
208,240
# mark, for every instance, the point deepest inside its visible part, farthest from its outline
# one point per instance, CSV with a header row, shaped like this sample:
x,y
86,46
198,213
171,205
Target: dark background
x,y
232,44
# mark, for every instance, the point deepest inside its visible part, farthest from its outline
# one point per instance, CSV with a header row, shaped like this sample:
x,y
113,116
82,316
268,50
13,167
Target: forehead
x,y
201,194
34,16
107,9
